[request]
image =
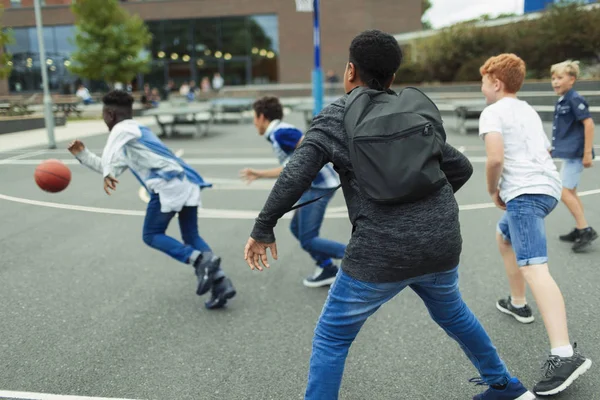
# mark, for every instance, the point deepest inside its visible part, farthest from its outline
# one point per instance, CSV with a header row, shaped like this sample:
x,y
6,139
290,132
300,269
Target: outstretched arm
x,y
294,180
91,160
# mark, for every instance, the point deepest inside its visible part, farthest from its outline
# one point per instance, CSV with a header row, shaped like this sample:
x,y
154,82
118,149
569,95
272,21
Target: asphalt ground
x,y
87,309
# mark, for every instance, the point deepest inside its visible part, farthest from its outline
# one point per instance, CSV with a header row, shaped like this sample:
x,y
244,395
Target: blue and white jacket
x,y
284,138
135,147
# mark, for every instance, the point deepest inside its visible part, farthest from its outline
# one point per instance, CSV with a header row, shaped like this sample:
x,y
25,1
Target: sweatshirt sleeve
x,y
456,166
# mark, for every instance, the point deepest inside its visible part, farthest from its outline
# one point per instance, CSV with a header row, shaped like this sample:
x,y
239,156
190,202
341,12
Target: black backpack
x,y
395,143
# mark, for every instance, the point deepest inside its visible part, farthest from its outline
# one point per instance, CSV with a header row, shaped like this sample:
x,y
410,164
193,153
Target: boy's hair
x,y
568,67
118,99
508,68
376,56
269,106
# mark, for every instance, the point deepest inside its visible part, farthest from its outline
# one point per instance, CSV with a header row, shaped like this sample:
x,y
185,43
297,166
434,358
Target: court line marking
x,y
46,396
21,156
224,150
191,161
204,213
196,161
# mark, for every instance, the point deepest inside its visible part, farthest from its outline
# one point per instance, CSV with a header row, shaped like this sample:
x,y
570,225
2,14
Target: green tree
x,y
5,57
425,6
110,42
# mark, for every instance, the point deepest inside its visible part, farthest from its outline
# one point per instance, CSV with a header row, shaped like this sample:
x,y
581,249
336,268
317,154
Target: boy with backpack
x,y
307,221
573,142
398,177
522,180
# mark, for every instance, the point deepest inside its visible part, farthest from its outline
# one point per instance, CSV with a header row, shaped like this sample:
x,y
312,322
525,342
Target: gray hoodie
x,y
389,243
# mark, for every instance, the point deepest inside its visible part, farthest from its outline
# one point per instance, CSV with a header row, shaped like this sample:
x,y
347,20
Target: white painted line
x,y
45,396
461,149
192,161
199,161
21,156
205,213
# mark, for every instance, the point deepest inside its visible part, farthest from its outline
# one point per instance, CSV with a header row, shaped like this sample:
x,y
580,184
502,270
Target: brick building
x,y
247,41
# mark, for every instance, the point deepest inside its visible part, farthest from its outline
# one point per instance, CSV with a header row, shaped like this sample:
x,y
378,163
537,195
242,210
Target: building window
x,y
15,3
26,74
243,50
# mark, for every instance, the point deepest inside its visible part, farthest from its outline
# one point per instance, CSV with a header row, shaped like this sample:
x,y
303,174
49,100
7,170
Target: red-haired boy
x,y
523,180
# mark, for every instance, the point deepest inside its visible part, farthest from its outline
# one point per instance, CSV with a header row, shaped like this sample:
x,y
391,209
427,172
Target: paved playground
x,y
86,309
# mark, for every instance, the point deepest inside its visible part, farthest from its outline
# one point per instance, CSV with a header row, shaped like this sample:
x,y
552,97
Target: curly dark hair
x,y
118,98
269,106
376,56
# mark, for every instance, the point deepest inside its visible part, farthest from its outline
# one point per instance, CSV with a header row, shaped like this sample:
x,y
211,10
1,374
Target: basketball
x,y
52,176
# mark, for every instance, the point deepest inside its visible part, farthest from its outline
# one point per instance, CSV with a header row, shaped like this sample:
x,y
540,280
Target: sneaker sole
x,y
223,300
585,246
526,396
578,372
324,282
522,320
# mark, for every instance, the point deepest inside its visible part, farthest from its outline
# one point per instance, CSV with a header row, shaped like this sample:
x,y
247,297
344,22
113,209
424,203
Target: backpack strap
x,y
315,200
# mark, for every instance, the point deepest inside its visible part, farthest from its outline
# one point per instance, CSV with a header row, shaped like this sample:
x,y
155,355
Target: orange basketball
x,y
52,176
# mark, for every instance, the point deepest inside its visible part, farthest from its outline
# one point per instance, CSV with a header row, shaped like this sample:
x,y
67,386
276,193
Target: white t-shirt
x,y
528,166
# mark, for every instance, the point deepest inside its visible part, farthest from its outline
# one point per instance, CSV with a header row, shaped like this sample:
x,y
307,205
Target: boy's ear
x,y
352,75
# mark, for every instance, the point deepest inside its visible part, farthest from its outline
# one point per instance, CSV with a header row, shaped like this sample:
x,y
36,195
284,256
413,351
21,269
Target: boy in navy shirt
x,y
307,221
573,142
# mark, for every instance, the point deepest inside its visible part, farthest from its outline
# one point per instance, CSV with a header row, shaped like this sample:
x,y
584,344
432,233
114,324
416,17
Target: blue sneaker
x,y
514,390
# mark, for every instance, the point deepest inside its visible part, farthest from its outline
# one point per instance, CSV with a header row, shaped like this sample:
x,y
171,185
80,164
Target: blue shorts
x,y
522,225
571,172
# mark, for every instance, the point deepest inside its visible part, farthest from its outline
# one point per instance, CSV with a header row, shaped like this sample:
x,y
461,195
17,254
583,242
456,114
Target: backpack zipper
x,y
426,130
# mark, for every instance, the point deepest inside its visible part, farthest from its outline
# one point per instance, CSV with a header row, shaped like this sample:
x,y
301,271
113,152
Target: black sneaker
x,y
206,266
523,315
559,373
571,236
585,238
222,291
322,277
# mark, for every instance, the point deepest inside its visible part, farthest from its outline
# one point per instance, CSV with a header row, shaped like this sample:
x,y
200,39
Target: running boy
x,y
415,244
307,220
573,142
522,180
174,188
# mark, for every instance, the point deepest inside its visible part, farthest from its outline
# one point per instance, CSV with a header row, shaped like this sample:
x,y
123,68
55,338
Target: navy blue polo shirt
x,y
567,129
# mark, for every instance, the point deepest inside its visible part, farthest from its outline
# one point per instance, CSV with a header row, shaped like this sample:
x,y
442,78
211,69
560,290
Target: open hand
x,y
110,183
256,252
249,175
76,147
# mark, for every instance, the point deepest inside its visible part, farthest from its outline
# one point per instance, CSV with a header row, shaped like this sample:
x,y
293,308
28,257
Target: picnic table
x,y
239,108
67,107
173,114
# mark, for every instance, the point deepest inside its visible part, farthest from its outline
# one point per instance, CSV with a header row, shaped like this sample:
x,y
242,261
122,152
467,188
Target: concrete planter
x,y
19,124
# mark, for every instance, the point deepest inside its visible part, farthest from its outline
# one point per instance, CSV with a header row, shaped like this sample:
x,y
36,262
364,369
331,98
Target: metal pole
x,y
317,76
48,115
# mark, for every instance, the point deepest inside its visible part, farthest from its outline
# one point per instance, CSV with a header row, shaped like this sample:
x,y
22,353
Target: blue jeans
x,y
155,226
522,225
351,302
306,224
